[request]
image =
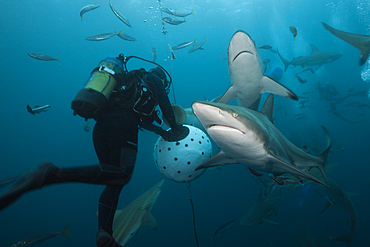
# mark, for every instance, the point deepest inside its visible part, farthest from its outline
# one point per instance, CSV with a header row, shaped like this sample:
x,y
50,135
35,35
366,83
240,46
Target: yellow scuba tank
x,y
92,98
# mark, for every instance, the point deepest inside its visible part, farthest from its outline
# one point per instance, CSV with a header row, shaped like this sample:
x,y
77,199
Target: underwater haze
x,y
54,27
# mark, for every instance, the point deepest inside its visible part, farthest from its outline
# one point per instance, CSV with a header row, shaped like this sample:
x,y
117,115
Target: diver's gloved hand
x,y
175,134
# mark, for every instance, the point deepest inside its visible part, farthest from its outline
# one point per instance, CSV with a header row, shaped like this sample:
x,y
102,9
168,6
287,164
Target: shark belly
x,y
246,148
246,75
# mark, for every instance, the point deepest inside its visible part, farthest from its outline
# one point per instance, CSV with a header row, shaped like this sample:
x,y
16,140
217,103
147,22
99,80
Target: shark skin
x,y
245,71
361,42
315,58
260,211
342,200
127,221
250,138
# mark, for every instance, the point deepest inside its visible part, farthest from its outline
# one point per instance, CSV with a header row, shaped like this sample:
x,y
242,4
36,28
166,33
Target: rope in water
x,y
192,208
164,31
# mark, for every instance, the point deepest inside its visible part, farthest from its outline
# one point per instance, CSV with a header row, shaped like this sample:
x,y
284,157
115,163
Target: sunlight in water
x,y
365,73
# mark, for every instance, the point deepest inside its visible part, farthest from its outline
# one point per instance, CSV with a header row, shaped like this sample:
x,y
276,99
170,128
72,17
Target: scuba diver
x,y
121,102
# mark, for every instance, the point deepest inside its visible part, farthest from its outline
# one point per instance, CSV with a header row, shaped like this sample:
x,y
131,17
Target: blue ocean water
x,y
55,28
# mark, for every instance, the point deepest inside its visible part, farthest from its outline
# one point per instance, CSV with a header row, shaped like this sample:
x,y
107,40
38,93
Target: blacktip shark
x,y
361,42
127,221
260,211
250,138
315,58
247,79
342,200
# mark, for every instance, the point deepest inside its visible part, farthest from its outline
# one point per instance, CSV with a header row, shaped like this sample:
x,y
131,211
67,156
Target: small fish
x,y
294,31
351,90
173,21
43,57
87,127
175,12
183,45
154,53
172,53
88,8
102,36
301,117
222,229
198,46
273,50
119,15
302,81
38,109
125,36
265,62
266,47
41,238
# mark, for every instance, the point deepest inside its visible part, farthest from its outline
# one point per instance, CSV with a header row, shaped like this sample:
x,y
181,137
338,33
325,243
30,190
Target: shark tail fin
x,y
286,62
323,156
66,232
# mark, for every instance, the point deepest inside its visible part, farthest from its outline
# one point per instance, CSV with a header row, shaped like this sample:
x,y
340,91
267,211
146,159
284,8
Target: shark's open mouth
x,y
242,53
224,127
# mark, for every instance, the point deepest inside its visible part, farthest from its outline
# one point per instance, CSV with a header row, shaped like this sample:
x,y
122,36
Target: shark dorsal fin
x,y
314,48
268,107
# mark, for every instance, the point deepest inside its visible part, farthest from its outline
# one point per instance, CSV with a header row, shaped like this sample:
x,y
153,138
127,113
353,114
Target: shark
x,y
342,200
250,138
315,58
245,71
361,42
127,221
260,211
305,236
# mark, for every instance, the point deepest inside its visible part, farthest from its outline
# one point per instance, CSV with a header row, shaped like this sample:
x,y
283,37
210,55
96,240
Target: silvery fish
x,y
198,46
173,21
125,36
88,8
172,53
38,109
119,15
41,238
183,45
175,12
100,37
154,53
43,57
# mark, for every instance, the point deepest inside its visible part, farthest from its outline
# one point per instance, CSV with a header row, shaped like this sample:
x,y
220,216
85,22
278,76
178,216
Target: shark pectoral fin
x,y
148,220
294,170
272,86
228,95
217,160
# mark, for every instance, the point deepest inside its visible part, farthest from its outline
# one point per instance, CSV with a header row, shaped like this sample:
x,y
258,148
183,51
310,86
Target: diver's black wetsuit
x,y
115,138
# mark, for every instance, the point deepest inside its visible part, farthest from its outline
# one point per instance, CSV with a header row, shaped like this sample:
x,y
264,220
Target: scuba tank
x,y
92,98
276,73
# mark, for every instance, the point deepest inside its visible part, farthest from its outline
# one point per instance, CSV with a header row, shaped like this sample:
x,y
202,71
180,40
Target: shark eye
x,y
235,115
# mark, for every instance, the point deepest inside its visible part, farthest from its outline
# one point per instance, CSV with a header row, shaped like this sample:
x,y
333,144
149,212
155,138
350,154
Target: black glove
x,y
175,134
